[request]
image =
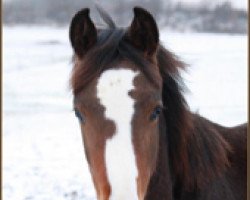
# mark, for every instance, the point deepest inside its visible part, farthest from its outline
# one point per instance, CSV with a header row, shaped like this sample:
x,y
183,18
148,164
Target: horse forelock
x,y
112,47
106,17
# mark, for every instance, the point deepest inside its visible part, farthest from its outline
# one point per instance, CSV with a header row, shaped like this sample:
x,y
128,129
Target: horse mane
x,y
197,153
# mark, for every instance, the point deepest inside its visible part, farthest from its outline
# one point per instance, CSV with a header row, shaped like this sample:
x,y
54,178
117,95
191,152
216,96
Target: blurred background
x,y
43,157
196,15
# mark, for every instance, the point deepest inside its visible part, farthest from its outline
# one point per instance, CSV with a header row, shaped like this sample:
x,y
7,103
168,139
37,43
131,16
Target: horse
x,y
141,140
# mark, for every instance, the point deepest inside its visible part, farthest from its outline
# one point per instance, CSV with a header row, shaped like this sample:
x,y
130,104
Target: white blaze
x,y
112,90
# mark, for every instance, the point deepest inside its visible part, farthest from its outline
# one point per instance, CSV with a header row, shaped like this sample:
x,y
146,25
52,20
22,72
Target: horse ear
x,y
82,33
143,32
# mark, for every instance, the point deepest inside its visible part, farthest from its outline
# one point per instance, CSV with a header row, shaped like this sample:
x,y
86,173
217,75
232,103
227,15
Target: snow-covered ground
x,y
43,157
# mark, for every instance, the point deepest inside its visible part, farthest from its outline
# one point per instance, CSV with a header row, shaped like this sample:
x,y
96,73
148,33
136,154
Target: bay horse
x,y
140,138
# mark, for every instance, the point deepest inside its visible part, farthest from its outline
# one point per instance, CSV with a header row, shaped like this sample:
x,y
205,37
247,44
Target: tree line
x,y
180,16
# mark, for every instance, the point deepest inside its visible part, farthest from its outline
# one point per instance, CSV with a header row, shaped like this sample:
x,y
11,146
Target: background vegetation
x,y
203,17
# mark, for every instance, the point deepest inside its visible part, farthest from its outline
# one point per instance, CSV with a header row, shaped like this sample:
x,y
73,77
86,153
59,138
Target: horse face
x,y
119,111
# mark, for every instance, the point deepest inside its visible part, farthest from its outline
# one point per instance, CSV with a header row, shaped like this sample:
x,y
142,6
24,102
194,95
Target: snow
x,y
43,156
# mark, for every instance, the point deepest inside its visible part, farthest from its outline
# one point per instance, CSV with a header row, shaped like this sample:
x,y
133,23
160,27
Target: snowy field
x,y
43,156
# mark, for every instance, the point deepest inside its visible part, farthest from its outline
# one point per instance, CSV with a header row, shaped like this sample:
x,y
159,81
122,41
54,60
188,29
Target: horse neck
x,y
192,151
196,149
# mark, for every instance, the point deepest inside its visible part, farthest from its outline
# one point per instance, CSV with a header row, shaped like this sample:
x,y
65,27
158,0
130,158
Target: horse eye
x,y
155,113
78,115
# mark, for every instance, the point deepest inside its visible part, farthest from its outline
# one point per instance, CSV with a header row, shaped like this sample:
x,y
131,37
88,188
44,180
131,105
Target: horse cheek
x,y
146,149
